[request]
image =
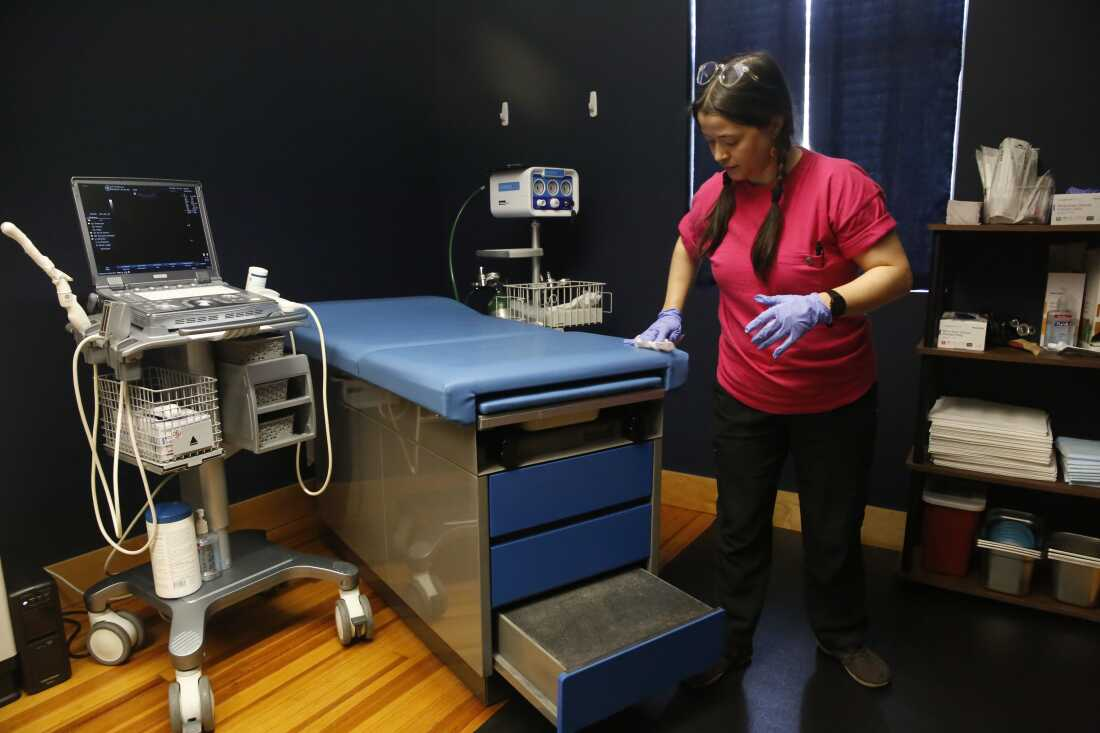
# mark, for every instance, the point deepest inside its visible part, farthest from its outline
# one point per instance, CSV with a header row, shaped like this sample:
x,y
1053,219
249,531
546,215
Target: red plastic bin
x,y
951,520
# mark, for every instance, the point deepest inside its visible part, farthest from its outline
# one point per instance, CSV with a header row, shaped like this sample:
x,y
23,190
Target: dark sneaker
x,y
862,665
715,672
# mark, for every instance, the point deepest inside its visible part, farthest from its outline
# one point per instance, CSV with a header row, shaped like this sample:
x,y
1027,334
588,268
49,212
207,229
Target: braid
x,y
719,219
781,152
766,245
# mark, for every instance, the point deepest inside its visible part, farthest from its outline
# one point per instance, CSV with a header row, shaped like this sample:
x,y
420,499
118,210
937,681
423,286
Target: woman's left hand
x,y
789,317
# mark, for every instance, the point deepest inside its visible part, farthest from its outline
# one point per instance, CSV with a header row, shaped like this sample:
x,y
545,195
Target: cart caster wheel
x,y
175,716
344,629
365,630
139,627
109,644
206,704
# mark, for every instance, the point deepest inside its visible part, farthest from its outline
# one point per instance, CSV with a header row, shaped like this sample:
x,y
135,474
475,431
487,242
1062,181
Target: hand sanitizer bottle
x,y
1059,325
208,548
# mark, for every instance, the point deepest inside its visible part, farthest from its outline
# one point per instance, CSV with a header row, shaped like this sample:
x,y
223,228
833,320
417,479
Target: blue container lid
x,y
1010,532
169,511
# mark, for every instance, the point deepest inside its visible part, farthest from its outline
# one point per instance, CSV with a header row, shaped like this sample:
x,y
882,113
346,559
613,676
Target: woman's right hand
x,y
667,327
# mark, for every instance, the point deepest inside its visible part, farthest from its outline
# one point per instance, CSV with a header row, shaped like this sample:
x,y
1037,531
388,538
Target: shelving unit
x,y
1002,268
1013,356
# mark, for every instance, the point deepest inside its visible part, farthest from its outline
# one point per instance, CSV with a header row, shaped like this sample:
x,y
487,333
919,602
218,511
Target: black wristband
x,y
837,304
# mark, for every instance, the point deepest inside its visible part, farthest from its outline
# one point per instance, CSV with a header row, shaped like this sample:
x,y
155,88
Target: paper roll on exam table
x,y
501,482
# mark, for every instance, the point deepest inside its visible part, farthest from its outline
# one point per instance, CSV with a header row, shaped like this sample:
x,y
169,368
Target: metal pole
x,y
205,487
535,245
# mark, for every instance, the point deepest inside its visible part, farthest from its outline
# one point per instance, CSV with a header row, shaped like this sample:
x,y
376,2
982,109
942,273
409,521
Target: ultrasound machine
x,y
150,246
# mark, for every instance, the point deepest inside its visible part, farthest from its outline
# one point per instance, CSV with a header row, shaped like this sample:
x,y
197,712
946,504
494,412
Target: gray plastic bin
x,y
1009,569
1075,559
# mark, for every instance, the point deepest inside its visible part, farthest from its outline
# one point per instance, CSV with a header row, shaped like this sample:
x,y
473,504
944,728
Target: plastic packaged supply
x,y
1088,335
1014,193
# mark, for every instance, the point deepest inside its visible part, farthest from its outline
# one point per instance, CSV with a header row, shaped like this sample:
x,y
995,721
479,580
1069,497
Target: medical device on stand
x,y
152,258
538,193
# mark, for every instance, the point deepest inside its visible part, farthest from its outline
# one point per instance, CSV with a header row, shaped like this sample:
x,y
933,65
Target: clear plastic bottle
x,y
209,564
1059,325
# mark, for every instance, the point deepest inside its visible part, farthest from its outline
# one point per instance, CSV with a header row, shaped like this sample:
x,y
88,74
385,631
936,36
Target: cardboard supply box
x,y
964,331
1065,293
1088,335
1076,208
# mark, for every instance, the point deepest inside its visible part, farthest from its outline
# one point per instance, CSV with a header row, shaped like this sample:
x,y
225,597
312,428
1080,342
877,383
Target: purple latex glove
x,y
667,327
788,316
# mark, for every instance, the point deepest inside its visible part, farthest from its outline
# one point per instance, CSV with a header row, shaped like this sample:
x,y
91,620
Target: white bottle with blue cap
x,y
175,558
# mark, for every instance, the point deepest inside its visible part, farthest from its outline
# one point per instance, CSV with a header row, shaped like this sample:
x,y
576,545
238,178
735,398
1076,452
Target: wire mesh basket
x,y
558,304
175,418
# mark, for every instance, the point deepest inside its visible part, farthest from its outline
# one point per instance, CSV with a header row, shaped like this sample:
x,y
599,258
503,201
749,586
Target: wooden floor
x,y
275,665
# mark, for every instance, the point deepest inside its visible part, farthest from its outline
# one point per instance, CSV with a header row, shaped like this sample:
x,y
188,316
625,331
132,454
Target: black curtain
x,y
723,29
883,90
884,78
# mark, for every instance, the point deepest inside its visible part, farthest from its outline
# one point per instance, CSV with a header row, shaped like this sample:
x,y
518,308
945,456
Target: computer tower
x,y
35,607
9,672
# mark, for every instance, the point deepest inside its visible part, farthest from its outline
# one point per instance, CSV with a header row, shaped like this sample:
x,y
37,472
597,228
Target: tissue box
x,y
964,331
964,212
1076,208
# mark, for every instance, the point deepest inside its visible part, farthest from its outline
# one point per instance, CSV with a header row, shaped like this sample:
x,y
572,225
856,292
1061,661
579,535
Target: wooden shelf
x,y
1049,487
1013,356
1040,598
1017,228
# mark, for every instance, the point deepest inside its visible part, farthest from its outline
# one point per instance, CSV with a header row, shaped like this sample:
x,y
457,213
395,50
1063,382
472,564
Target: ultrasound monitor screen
x,y
135,228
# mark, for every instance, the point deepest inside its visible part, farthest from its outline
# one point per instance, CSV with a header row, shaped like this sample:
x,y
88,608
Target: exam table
x,y
501,484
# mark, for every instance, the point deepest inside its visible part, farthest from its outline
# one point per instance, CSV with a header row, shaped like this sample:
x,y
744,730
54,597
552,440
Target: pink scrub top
x,y
832,212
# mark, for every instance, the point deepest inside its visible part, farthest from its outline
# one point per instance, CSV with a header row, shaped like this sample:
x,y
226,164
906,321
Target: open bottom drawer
x,y
588,652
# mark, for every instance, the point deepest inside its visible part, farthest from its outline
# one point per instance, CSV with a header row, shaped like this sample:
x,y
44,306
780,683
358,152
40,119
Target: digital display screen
x,y
137,228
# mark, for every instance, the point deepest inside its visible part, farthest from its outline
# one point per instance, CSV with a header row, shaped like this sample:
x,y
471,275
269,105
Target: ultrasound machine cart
x,y
168,298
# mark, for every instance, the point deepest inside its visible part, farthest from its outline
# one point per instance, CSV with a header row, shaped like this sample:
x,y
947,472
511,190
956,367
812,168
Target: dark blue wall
x,y
316,150
337,142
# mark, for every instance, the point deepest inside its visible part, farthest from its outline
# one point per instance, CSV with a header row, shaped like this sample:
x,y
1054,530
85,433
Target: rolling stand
x,y
258,566
251,564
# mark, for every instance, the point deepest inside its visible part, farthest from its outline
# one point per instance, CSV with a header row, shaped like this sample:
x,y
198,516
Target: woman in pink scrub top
x,y
802,247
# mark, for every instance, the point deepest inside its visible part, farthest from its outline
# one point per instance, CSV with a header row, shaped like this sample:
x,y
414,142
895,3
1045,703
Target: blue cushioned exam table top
x,y
447,357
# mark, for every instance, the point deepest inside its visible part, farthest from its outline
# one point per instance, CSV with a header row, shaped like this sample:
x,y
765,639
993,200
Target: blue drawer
x,y
528,497
534,564
648,668
587,652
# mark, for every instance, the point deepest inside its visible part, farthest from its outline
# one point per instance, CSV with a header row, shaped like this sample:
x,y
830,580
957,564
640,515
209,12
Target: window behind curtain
x,y
883,90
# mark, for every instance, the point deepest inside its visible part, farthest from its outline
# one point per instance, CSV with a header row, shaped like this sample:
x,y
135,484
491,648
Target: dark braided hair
x,y
756,99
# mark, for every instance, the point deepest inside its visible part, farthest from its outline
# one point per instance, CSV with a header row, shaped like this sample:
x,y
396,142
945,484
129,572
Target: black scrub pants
x,y
832,454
